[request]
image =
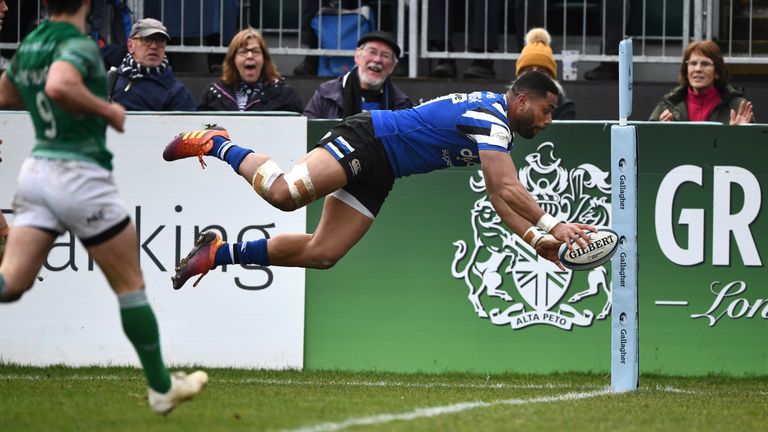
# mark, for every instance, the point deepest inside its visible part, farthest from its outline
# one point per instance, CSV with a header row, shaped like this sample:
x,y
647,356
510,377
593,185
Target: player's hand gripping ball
x,y
604,244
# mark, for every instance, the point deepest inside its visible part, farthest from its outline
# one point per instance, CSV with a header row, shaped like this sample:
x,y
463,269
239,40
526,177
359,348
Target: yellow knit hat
x,y
537,52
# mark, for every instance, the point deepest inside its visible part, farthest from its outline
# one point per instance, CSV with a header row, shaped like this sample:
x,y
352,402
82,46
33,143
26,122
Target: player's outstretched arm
x,y
509,197
9,94
65,87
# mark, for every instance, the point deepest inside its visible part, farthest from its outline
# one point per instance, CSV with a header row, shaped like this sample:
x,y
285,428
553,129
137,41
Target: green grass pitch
x,y
114,399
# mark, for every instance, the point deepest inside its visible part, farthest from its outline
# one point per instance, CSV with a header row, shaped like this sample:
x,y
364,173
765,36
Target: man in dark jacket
x,y
145,81
366,87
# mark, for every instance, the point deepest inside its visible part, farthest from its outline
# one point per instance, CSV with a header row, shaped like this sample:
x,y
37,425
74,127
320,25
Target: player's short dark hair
x,y
56,7
534,83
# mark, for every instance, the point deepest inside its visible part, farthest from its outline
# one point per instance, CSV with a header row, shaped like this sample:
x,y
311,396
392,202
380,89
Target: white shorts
x,y
59,195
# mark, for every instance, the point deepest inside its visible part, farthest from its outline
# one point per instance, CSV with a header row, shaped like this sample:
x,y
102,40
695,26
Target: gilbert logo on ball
x,y
595,254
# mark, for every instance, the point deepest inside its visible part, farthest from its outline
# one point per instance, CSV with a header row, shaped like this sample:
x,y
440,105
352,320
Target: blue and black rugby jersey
x,y
444,132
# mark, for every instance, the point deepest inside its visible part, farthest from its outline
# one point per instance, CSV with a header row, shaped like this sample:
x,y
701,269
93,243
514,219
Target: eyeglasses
x,y
149,40
373,52
243,52
703,63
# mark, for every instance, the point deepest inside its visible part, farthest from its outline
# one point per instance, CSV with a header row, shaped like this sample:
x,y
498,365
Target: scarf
x,y
246,93
134,70
700,105
351,95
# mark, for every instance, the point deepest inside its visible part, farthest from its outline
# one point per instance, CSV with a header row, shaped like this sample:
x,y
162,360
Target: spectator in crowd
x,y
366,87
3,11
249,80
3,63
704,93
537,56
483,35
145,81
614,12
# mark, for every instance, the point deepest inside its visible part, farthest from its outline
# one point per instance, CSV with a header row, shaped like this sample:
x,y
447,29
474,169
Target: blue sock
x,y
252,252
218,142
2,286
229,152
223,255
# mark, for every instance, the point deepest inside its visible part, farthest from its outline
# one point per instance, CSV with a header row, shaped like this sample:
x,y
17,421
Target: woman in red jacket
x,y
704,93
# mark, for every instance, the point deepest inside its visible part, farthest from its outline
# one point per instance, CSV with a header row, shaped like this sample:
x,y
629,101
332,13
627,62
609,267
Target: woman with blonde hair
x,y
249,80
704,93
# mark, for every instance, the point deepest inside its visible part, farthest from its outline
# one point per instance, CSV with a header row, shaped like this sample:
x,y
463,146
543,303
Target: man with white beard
x,y
366,87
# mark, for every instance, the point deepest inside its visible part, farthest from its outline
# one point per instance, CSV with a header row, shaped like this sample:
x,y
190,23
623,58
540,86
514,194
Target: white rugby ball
x,y
604,244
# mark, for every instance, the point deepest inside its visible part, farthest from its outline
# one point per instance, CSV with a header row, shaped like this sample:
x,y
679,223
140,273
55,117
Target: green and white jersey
x,y
61,134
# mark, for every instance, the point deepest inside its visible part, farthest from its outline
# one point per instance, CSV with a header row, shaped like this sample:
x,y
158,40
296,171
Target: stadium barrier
x,y
432,287
402,299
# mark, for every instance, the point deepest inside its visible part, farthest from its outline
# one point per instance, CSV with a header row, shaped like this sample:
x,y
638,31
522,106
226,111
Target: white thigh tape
x,y
264,177
300,185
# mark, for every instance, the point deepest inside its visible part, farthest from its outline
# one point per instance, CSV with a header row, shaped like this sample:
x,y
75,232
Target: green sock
x,y
2,286
140,325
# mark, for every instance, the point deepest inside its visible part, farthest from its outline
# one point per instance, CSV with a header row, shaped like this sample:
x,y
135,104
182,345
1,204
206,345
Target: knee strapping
x,y
265,175
300,185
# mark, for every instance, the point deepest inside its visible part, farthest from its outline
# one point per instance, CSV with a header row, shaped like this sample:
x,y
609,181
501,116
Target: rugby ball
x,y
595,254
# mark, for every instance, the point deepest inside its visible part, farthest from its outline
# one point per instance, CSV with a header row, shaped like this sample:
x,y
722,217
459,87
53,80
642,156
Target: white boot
x,y
183,387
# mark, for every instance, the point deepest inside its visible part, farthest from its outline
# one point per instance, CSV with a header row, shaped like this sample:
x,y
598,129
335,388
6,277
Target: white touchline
x,y
352,383
290,382
670,389
428,385
75,377
671,303
441,410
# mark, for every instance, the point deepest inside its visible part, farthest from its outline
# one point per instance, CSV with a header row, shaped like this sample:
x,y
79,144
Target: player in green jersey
x,y
3,223
66,184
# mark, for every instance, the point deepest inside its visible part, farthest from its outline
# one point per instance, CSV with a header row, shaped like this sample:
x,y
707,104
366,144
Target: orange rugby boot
x,y
196,143
199,261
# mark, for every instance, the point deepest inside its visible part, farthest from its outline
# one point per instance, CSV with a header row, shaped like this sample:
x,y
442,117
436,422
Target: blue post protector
x,y
625,80
625,342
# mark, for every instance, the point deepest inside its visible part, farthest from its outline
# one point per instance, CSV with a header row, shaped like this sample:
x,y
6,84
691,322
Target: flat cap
x,y
147,27
380,36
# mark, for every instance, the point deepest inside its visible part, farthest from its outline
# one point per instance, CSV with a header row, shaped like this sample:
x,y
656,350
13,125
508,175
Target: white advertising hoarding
x,y
237,316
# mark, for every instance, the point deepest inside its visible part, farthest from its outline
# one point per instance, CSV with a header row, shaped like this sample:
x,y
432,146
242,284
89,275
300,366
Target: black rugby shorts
x,y
354,144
